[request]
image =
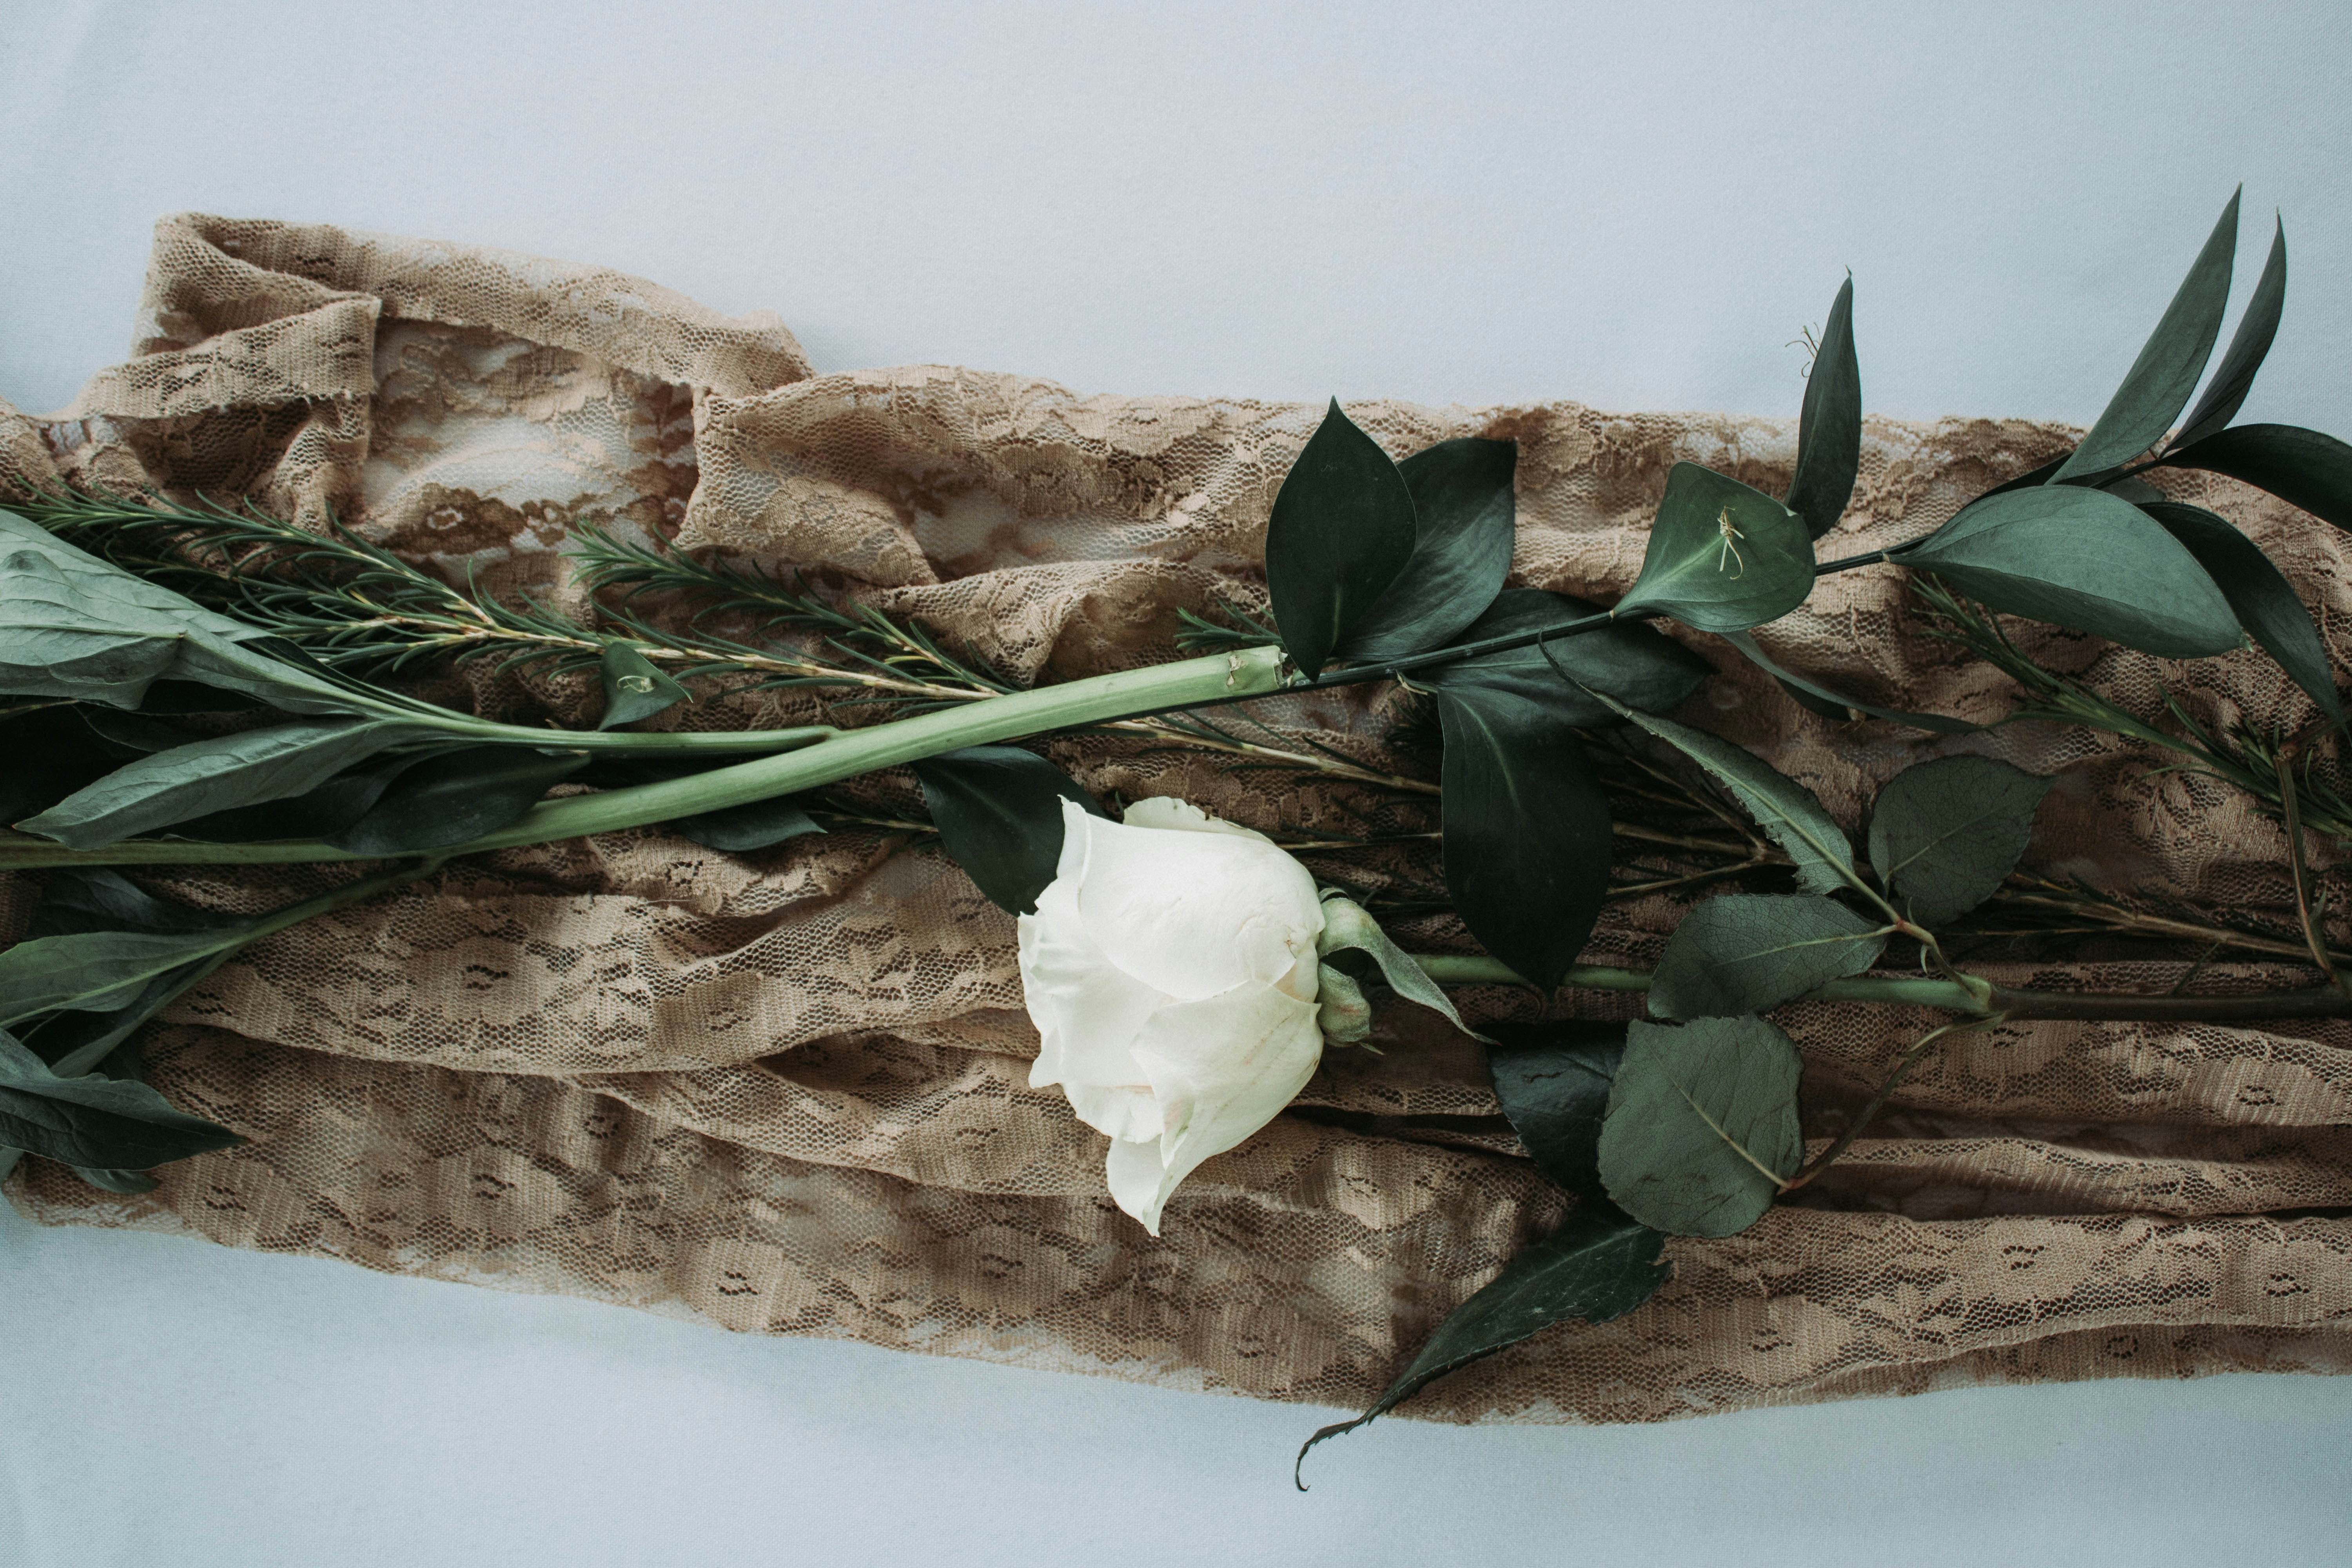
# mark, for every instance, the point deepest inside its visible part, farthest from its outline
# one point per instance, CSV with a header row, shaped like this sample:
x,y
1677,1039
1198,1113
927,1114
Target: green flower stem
x,y
2316,1002
1223,676
694,742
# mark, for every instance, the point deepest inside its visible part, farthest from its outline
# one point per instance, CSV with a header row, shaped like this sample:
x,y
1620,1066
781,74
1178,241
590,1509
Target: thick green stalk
x,y
1224,677
1895,990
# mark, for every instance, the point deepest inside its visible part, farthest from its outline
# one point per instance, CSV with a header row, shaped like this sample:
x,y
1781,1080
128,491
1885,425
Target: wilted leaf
x,y
2084,560
1785,809
2157,386
1526,831
1596,1267
999,813
1944,834
1636,664
1702,1127
1829,429
1722,556
1342,531
1464,514
1748,952
2259,594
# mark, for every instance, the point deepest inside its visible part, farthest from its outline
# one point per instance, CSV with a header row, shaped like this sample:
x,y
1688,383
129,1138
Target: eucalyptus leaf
x,y
1836,705
2157,386
2084,560
1598,1266
1829,426
633,688
1342,531
1465,513
1526,826
2302,468
1552,1081
96,1122
1702,1127
2259,594
1944,834
203,777
999,813
1637,664
1722,556
1748,952
1785,809
2226,393
455,796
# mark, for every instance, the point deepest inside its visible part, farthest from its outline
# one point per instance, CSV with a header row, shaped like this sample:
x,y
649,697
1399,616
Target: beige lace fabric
x,y
787,1092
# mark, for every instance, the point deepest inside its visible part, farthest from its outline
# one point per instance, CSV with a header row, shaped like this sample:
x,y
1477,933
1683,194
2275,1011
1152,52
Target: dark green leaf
x,y
452,796
740,829
1944,834
1784,808
1465,515
202,777
82,899
2157,386
1722,556
633,688
2226,393
1702,1127
322,813
999,813
1837,706
74,626
98,971
51,753
79,902
1828,430
103,1123
1748,952
1636,664
1597,1266
1342,531
2084,560
1552,1080
1526,831
2302,468
2264,602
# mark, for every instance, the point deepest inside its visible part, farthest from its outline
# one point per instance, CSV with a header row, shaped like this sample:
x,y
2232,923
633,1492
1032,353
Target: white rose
x,y
1171,970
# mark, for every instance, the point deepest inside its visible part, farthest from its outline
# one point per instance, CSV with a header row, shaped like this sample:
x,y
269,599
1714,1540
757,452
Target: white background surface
x,y
1635,205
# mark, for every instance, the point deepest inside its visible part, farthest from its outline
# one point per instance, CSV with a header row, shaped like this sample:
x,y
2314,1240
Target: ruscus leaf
x,y
1835,705
1722,556
1598,1266
1464,512
1944,834
2157,385
2259,594
2302,468
1526,826
1702,1127
1829,424
1748,952
999,813
2226,393
2084,560
1342,531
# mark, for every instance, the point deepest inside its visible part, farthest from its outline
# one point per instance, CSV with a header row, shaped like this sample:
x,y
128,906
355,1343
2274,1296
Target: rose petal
x,y
1221,1069
1087,1010
1168,812
1193,914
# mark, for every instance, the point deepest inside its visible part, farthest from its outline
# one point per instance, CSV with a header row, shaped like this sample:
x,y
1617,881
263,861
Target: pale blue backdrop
x,y
1634,205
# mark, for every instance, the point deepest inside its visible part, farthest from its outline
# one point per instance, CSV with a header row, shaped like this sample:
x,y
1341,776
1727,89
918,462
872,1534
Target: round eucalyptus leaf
x,y
1701,1126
